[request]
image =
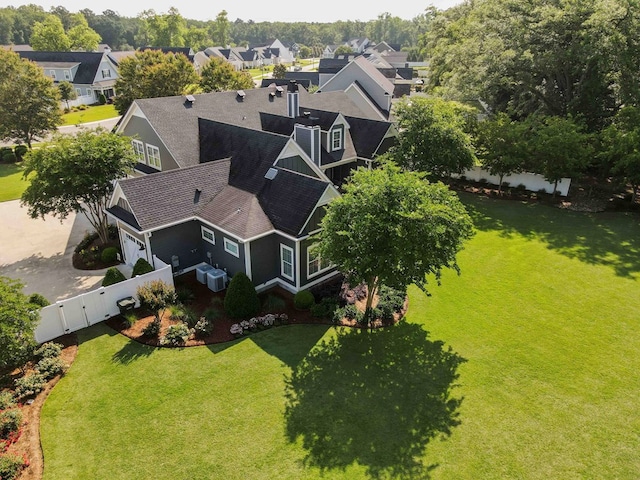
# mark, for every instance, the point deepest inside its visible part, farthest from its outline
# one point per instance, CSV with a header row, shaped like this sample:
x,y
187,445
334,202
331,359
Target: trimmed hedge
x,y
141,267
303,300
113,276
109,255
241,299
39,300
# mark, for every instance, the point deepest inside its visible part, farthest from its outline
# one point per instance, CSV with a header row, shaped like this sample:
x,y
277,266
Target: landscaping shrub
x,y
4,150
129,319
10,421
20,151
141,267
203,327
176,312
212,313
102,99
88,239
113,276
303,300
325,308
6,400
10,466
338,315
109,255
152,330
189,317
29,385
184,295
39,300
392,297
350,312
50,367
48,350
156,296
176,335
9,157
273,303
241,299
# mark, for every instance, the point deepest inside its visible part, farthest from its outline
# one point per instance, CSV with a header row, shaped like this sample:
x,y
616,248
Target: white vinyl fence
x,y
532,181
66,316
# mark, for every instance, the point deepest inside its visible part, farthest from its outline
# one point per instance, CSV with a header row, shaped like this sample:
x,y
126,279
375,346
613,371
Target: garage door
x,y
133,249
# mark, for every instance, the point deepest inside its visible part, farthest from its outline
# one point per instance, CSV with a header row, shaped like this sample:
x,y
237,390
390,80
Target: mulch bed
x,y
204,299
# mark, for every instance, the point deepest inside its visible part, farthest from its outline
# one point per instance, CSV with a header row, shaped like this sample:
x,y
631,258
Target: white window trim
x,y
137,144
335,131
67,75
320,269
211,240
284,248
227,244
151,149
88,92
79,92
52,73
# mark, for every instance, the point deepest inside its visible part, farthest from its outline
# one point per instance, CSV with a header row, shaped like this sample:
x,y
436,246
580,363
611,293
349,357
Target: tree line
x,y
171,29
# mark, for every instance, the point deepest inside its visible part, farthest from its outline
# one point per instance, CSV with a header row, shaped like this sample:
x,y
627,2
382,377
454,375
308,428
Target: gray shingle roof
x,y
177,125
89,62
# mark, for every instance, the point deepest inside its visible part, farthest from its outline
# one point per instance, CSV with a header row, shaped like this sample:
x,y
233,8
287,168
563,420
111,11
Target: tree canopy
x,y
49,36
81,36
552,57
18,321
76,173
393,227
151,74
29,101
434,136
218,75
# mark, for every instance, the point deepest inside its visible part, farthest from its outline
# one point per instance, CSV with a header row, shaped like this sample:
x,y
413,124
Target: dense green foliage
x,y
141,267
303,300
156,295
393,228
241,299
435,136
218,75
28,100
150,74
112,277
76,173
18,320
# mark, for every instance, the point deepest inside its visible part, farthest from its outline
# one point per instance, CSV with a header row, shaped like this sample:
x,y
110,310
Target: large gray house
x,y
241,179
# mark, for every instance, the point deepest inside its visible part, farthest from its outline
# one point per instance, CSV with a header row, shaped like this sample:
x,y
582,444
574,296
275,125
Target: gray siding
x,y
183,240
219,256
304,277
297,164
140,129
265,259
314,221
309,140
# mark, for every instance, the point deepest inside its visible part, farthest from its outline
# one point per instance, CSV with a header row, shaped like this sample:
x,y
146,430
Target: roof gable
x,y
89,62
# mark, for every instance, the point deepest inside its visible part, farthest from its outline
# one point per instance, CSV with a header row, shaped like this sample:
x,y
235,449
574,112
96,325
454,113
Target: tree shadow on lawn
x,y
605,238
373,398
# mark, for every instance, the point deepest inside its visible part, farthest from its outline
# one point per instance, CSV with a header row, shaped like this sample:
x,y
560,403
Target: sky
x,y
257,10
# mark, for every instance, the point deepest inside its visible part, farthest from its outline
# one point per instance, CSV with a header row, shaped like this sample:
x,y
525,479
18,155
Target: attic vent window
x,y
271,174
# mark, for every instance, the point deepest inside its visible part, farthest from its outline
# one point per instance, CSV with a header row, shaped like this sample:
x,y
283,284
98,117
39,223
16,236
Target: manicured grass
x,y
91,114
545,314
11,183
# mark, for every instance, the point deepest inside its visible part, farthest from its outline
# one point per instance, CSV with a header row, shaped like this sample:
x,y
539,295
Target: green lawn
x,y
545,314
91,114
11,183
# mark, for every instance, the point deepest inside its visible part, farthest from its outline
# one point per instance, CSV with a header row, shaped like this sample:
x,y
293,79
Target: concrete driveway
x,y
38,253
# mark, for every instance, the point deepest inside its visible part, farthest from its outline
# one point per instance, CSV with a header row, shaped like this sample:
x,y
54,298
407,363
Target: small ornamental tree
x,y
241,299
279,70
76,173
156,296
393,228
67,92
218,76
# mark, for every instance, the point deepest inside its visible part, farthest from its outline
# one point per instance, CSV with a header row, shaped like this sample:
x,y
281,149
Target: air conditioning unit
x,y
201,272
216,279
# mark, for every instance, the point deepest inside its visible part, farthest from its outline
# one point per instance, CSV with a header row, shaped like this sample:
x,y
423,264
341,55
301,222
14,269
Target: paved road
x,y
38,252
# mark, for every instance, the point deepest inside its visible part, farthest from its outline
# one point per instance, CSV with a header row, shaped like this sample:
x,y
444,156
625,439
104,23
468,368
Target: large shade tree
x,y
393,227
435,136
150,74
29,101
76,173
49,36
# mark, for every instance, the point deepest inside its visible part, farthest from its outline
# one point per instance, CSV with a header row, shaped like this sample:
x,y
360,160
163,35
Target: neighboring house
x,y
243,179
186,51
360,76
91,73
357,45
273,52
310,78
